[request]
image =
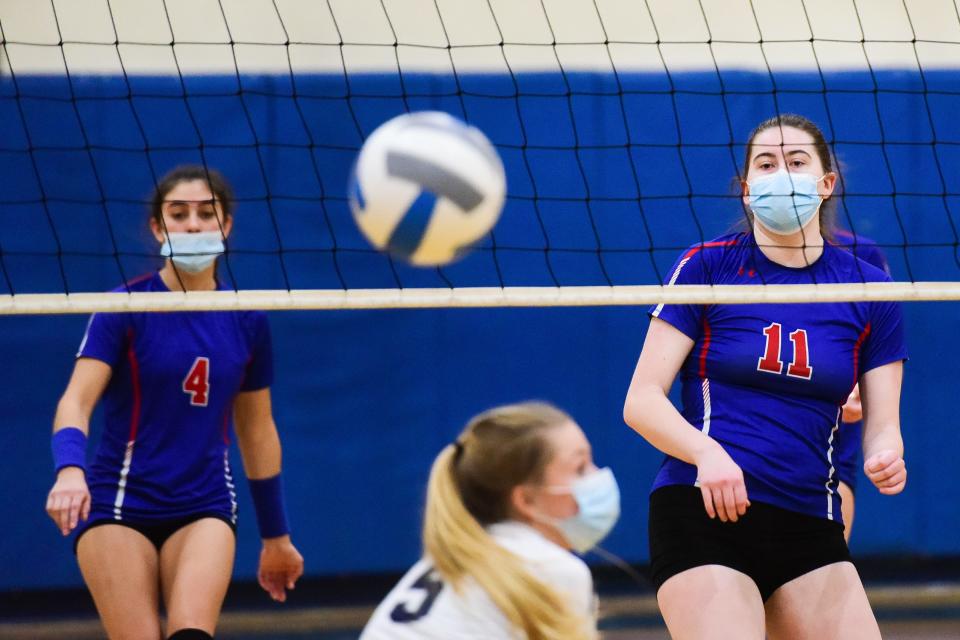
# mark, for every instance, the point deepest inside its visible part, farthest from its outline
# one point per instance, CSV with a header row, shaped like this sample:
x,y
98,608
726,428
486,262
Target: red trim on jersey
x,y
856,352
139,279
704,349
706,245
135,385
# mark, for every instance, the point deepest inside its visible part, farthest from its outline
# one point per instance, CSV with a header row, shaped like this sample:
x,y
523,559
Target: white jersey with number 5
x,y
423,606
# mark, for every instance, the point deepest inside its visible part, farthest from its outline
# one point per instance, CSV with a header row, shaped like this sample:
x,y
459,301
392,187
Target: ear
x,y
227,226
745,193
522,503
829,184
157,230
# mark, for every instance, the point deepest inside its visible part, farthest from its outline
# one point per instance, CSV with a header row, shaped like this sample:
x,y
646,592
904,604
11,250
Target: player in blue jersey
x,y
848,441
156,512
746,534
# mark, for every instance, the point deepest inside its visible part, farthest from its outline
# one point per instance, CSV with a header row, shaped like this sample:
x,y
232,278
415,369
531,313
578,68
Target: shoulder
x,y
254,323
717,247
118,319
854,268
145,282
703,260
550,562
862,247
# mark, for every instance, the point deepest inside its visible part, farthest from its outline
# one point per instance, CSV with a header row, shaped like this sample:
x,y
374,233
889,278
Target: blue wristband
x,y
69,446
267,496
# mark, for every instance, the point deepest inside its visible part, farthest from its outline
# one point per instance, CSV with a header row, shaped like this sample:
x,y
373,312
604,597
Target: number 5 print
x,y
771,362
427,582
197,382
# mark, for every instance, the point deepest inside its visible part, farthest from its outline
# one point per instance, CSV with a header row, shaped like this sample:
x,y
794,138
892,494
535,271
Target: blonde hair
x,y
470,487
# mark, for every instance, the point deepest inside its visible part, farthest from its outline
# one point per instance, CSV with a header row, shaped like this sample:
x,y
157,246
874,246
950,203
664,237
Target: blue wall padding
x,y
364,400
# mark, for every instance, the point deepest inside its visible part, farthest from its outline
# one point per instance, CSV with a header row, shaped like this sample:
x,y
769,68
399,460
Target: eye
x,y
765,165
208,214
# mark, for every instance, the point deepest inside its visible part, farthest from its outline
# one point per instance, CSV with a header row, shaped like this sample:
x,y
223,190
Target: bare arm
x,y
882,443
648,410
257,434
89,379
69,499
650,413
280,562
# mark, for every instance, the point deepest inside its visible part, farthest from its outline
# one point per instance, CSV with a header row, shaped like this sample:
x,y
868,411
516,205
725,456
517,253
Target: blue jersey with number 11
x,y
767,381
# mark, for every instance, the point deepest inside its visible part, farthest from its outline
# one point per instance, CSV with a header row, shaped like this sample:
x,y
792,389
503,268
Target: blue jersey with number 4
x,y
767,381
168,407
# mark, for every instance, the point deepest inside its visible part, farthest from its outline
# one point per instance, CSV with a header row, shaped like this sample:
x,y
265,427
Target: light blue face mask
x,y
193,252
784,202
598,498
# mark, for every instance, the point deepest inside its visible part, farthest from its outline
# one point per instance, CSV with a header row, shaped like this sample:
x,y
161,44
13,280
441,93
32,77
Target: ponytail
x,y
460,546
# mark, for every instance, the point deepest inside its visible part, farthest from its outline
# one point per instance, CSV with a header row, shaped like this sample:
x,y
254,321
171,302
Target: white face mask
x,y
193,252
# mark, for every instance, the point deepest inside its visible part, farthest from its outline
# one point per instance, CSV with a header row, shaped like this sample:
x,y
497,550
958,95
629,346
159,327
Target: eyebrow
x,y
581,452
789,153
209,201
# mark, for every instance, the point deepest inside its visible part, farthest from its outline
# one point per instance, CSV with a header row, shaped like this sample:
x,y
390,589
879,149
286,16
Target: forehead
x,y
194,190
568,443
775,138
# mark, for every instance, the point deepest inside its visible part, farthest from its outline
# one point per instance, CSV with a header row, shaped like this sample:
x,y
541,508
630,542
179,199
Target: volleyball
x,y
426,187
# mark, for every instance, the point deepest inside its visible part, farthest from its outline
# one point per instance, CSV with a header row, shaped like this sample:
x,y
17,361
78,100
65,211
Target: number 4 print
x,y
197,382
771,362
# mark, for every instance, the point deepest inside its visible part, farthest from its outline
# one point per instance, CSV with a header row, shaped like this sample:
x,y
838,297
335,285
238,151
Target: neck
x,y
800,249
548,531
182,280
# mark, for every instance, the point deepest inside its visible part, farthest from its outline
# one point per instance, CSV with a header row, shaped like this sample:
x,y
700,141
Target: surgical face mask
x,y
785,202
193,252
598,498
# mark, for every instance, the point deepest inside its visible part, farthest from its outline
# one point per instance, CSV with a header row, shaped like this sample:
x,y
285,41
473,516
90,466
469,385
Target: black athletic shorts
x,y
158,531
769,544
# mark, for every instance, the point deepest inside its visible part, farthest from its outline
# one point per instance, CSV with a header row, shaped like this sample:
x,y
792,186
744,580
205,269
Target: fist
x,y
887,471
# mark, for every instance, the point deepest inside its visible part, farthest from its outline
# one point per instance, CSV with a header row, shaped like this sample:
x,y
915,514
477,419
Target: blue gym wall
x,y
364,400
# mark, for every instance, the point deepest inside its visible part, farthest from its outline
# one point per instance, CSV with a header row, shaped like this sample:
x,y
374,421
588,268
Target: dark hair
x,y
828,208
219,187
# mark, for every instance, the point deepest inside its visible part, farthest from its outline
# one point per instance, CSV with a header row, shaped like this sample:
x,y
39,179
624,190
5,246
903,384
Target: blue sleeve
x,y
688,318
259,374
105,337
846,452
864,248
872,254
885,343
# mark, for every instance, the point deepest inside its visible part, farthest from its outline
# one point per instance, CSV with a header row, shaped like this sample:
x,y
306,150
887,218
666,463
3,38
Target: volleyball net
x,y
622,127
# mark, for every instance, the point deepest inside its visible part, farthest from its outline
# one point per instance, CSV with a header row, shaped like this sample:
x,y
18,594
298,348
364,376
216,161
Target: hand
x,y
721,483
69,500
853,410
280,567
887,471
